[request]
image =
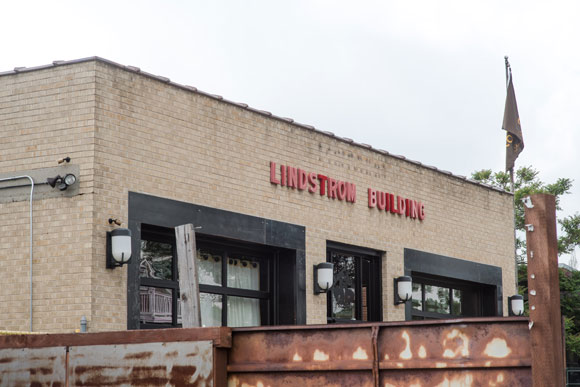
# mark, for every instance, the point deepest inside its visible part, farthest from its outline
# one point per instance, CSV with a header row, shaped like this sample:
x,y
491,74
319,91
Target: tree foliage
x,y
526,183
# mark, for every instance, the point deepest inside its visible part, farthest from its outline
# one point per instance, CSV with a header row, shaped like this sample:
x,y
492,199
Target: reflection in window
x,y
436,299
156,260
343,291
417,300
156,305
443,298
457,300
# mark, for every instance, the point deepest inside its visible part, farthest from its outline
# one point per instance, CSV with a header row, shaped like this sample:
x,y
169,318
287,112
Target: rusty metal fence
x,y
470,352
173,357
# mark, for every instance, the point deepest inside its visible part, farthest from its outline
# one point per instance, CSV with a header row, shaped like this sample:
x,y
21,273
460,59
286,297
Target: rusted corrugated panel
x,y
469,352
150,364
463,345
498,377
302,379
33,366
302,349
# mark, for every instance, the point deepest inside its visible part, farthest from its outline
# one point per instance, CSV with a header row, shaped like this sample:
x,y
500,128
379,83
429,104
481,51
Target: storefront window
x,y
438,297
242,299
355,294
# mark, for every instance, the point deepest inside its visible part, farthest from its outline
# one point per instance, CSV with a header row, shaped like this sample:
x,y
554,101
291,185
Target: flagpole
x,y
507,81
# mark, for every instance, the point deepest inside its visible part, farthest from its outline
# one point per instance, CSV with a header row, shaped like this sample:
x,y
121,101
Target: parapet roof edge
x,y
245,106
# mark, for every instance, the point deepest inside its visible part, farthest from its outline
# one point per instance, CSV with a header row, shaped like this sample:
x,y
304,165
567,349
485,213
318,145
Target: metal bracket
x,y
528,202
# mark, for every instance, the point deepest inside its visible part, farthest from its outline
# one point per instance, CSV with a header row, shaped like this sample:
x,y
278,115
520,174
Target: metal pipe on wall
x,y
31,231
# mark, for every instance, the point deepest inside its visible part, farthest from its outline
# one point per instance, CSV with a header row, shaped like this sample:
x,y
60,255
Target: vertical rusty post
x,y
544,291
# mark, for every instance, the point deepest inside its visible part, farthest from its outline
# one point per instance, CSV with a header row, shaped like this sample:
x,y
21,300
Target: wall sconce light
x,y
60,182
516,305
403,289
323,273
118,247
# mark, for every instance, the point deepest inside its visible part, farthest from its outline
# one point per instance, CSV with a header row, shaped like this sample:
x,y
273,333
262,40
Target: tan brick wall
x,y
46,115
158,139
165,141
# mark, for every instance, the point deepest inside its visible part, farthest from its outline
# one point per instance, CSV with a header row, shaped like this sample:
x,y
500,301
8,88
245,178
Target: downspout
x,y
31,231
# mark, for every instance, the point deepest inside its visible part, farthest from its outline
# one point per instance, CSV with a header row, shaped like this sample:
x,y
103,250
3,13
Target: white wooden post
x,y
187,269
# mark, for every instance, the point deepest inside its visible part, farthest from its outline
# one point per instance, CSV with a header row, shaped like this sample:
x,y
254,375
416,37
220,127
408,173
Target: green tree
x,y
527,182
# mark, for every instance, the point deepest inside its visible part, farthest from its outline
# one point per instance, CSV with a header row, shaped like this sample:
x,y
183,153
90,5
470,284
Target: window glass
x,y
457,300
436,299
156,260
209,267
156,305
211,309
417,301
243,273
343,292
243,312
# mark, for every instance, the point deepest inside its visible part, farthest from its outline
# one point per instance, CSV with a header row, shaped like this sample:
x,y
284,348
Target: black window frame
x,y
290,239
374,301
478,291
267,256
462,271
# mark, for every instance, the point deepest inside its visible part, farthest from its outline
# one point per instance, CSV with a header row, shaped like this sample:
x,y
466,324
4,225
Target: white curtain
x,y
243,274
211,309
209,268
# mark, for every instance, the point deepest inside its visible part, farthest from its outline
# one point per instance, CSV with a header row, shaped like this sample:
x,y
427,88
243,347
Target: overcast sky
x,y
423,79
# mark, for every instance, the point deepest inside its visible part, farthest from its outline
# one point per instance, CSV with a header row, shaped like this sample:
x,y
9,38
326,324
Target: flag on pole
x,y
514,141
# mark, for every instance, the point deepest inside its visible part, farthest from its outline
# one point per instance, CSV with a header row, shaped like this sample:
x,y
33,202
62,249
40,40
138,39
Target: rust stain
x,y
138,356
171,354
497,348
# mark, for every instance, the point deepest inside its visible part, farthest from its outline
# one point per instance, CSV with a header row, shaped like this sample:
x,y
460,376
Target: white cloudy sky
x,y
424,79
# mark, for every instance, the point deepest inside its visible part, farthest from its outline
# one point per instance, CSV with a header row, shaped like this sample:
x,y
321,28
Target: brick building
x,y
271,198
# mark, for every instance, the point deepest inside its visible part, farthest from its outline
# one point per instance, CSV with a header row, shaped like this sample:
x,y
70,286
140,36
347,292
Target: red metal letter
x,y
292,177
401,205
350,192
331,188
312,181
341,192
421,211
273,179
322,179
393,208
282,175
302,179
381,200
372,198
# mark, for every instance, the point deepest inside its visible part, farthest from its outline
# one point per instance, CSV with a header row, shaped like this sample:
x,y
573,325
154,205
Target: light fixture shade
x,y
404,288
121,245
325,273
517,304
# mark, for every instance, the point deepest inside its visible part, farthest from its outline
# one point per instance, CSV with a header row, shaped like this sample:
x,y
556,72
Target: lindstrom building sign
x,y
297,178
